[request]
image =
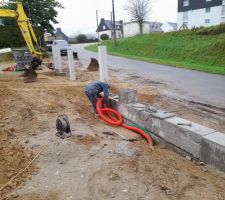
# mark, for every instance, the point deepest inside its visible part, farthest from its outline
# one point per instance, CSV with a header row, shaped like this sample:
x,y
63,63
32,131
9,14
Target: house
x,y
60,35
196,13
132,28
106,27
48,37
169,26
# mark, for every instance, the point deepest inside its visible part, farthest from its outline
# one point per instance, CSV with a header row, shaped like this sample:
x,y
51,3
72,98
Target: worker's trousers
x,y
93,97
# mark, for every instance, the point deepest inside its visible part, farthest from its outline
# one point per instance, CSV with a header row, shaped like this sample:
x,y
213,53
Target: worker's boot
x,y
31,76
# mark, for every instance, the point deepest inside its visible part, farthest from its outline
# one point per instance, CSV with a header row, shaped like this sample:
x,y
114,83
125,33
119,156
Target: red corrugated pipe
x,y
113,117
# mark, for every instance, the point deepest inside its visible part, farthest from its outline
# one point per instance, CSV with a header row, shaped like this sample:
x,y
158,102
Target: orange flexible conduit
x,y
108,115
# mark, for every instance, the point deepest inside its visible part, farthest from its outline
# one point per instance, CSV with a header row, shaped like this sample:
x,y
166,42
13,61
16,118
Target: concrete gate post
x,y
103,64
72,71
57,59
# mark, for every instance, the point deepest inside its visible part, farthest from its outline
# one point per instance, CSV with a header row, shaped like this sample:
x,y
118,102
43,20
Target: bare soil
x,y
91,164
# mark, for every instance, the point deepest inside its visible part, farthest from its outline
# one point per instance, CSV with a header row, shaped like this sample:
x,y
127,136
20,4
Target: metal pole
x,y
114,28
97,25
112,25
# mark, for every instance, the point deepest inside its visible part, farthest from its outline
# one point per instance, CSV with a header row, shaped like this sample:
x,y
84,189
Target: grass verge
x,y
201,49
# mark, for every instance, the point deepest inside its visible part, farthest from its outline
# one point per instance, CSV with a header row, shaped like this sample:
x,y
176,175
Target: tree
x,y
138,11
81,38
104,36
41,13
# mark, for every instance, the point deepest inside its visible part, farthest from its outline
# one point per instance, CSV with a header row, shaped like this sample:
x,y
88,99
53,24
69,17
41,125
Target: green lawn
x,y
200,49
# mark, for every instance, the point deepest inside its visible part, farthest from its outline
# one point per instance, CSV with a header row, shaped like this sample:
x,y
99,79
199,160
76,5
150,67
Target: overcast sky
x,y
79,16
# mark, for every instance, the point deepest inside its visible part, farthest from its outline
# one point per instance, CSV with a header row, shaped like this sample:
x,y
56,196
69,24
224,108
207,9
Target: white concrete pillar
x,y
57,58
103,64
72,71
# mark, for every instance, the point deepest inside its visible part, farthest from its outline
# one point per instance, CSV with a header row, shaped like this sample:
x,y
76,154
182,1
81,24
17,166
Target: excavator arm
x,y
25,27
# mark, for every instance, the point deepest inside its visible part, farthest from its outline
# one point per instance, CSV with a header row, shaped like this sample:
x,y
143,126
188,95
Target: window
x,y
103,27
208,10
222,20
186,3
185,16
208,0
223,2
207,21
223,10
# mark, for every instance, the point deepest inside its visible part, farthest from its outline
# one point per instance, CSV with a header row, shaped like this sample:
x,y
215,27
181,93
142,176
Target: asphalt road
x,y
186,84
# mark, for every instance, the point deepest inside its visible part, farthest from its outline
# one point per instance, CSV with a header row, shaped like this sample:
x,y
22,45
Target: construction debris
x,y
94,65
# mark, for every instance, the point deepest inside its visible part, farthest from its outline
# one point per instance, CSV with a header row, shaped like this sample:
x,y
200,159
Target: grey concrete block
x,y
197,140
156,112
213,150
185,137
162,114
135,114
128,96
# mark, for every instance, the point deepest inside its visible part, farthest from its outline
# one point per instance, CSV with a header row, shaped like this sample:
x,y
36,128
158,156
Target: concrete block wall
x,y
201,142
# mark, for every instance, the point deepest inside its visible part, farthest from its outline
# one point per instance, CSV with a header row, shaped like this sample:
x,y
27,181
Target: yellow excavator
x,y
29,36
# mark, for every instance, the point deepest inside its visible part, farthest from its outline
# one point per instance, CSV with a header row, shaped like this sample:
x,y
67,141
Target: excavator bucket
x,y
30,75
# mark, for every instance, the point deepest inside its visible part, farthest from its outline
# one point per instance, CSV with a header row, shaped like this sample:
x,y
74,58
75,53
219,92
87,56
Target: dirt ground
x,y
95,163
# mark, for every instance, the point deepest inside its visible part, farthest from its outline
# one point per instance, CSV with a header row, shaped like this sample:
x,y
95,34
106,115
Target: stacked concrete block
x,y
128,96
199,141
213,150
187,136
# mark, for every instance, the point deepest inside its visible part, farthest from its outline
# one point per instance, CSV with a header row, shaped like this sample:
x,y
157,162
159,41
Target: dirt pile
x,y
13,159
93,66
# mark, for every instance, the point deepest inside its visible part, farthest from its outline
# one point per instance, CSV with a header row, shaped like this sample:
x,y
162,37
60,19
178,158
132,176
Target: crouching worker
x,y
93,90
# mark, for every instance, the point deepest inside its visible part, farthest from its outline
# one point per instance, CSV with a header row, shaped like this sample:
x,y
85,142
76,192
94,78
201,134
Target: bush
x,y
82,38
212,30
104,37
92,40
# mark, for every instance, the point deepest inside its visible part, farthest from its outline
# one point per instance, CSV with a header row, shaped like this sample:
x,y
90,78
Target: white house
x,y
106,27
196,13
132,28
168,26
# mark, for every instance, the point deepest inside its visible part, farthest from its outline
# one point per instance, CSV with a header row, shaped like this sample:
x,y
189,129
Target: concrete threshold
x,y
202,143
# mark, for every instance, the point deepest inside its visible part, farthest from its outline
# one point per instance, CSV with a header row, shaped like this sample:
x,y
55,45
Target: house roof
x,y
59,33
174,25
156,26
108,24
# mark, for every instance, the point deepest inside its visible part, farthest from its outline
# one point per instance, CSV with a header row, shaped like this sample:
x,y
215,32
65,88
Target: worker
x,y
93,90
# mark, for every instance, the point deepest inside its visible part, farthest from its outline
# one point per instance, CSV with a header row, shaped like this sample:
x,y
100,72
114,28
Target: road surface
x,y
186,84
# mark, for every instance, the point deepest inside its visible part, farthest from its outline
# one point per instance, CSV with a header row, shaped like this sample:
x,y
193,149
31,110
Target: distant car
x,y
48,45
64,46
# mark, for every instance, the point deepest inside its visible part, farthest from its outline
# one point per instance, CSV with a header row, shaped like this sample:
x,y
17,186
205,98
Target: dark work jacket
x,y
97,87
